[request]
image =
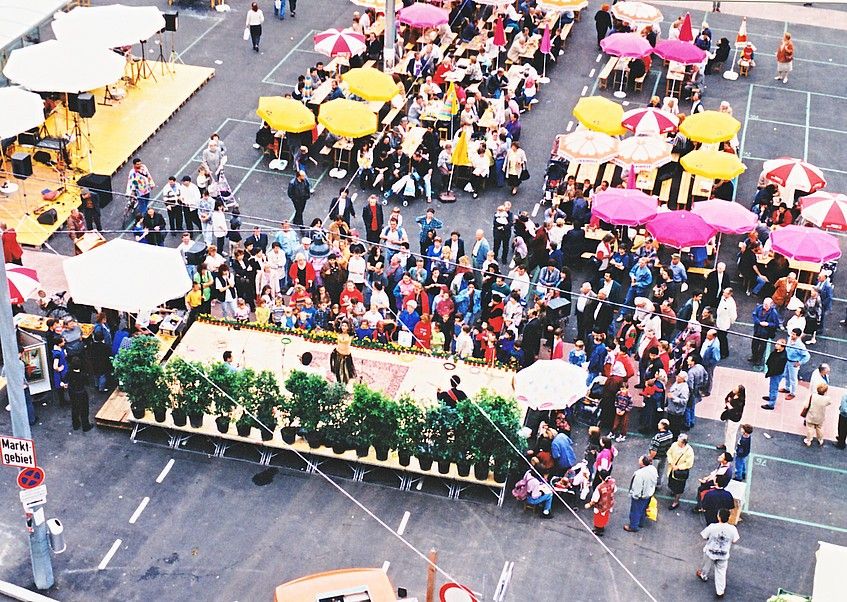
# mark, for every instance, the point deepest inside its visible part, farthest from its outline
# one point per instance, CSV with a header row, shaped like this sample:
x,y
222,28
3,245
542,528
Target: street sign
x,y
453,592
33,497
17,452
29,478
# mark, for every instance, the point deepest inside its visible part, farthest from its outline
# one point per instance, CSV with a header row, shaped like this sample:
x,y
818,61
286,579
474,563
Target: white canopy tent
x,y
21,110
110,26
829,573
127,276
55,66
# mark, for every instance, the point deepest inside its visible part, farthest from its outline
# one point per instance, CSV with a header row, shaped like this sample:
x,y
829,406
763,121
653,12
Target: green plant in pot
x,y
245,398
288,418
469,436
223,379
267,394
505,414
315,402
142,378
440,427
410,426
374,418
191,391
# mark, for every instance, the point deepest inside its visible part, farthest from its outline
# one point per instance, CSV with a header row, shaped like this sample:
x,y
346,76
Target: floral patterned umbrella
x,y
585,146
644,153
550,385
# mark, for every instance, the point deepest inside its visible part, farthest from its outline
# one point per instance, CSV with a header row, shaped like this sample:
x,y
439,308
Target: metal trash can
x,y
56,532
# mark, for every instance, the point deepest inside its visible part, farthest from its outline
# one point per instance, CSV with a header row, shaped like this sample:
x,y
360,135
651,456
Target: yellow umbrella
x,y
710,127
347,118
460,156
371,84
285,114
713,164
600,114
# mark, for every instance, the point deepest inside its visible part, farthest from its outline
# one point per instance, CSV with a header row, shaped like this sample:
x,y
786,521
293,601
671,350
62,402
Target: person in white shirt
x,y
727,314
719,538
464,342
254,21
356,268
214,260
190,197
278,262
184,246
519,281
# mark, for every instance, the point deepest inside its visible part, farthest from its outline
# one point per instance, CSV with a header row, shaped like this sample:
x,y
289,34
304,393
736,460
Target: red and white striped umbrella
x,y
335,42
825,210
649,120
23,282
793,173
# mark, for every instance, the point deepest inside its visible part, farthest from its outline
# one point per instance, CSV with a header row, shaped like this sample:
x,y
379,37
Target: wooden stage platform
x,y
109,140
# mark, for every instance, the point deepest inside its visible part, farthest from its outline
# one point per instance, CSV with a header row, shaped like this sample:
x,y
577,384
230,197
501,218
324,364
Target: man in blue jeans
x,y
641,489
775,367
641,279
797,355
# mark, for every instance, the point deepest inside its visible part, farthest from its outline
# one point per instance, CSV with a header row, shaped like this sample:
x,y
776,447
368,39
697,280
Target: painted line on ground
x,y
165,471
799,125
584,91
141,506
535,209
569,126
266,79
770,35
385,566
248,174
768,87
806,132
599,58
743,134
402,528
108,557
801,463
591,73
200,37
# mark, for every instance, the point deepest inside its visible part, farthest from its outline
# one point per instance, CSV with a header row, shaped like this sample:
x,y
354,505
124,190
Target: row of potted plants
x,y
478,432
328,336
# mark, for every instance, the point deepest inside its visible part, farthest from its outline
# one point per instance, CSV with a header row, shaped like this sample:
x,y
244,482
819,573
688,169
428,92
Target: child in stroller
x,y
555,175
576,481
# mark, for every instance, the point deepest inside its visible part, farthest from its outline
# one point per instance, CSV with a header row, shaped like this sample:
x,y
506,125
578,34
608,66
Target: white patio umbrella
x,y
20,110
66,67
550,385
644,152
117,275
587,146
108,26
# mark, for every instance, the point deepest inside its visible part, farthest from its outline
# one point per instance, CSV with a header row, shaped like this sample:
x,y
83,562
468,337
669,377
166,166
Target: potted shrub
x,y
467,437
506,416
223,379
191,391
410,425
266,396
373,418
315,402
440,426
285,411
245,398
141,377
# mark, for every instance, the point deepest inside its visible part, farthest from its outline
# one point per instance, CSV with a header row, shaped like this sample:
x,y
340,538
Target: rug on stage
x,y
381,376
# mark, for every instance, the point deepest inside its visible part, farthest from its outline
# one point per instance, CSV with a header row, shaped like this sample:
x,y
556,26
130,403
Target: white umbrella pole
x,y
620,93
730,73
544,79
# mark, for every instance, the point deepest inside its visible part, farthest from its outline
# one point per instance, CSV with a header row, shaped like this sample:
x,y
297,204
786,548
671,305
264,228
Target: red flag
x,y
685,33
499,33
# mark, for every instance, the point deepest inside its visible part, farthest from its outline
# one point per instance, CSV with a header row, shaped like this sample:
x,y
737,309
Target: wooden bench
x,y
605,72
390,116
665,191
566,31
682,198
639,82
695,271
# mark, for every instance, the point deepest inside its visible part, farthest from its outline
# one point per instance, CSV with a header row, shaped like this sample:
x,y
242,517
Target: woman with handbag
x,y
680,463
731,415
515,167
815,414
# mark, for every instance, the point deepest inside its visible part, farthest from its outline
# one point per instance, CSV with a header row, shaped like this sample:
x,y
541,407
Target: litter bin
x,y
56,532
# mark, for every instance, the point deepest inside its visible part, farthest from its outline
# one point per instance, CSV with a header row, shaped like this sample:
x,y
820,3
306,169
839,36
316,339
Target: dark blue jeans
x,y
741,468
638,512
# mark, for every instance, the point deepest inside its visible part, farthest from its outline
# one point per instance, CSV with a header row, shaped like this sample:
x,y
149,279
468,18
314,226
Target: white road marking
x,y
105,562
139,510
591,73
535,210
405,521
584,91
385,566
599,56
165,471
570,126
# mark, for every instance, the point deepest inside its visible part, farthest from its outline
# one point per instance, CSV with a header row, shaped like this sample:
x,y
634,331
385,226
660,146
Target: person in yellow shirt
x,y
193,301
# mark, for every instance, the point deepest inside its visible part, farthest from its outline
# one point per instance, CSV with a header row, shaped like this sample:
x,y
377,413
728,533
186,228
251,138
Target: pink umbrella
x,y
725,216
545,47
679,51
805,244
624,206
23,282
650,120
334,42
422,15
685,32
680,229
629,45
499,33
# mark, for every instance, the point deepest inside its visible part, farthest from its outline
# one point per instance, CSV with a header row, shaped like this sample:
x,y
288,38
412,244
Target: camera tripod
x,y
79,136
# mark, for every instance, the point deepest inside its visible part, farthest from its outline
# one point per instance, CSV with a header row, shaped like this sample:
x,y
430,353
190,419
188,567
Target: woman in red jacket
x,y
423,332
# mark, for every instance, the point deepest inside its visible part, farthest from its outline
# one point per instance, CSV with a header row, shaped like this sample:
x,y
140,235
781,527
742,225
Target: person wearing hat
x,y
677,401
680,463
454,394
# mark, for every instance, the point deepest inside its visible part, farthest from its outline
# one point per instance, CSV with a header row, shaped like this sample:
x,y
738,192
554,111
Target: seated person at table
x,y
374,46
519,46
473,72
496,83
469,30
265,139
637,68
442,71
416,109
418,67
430,90
721,56
468,116
694,83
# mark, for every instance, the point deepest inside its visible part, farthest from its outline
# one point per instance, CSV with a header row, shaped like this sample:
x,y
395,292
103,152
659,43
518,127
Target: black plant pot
x,y
314,439
289,434
501,473
362,450
381,453
138,412
481,471
404,457
243,430
196,420
443,466
425,462
267,434
339,447
179,417
463,468
159,415
222,422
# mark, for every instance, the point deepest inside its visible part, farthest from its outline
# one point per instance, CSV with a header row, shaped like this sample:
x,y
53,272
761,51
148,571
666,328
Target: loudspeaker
x,y
99,184
73,102
171,21
48,218
86,105
196,254
21,165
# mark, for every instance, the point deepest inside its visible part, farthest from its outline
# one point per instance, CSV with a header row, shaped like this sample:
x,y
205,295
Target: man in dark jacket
x,y
373,219
775,367
765,322
155,224
601,314
299,192
602,22
342,205
258,241
532,337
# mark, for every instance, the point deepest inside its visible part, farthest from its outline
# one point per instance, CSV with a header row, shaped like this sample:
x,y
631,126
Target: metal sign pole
x,y
389,37
39,547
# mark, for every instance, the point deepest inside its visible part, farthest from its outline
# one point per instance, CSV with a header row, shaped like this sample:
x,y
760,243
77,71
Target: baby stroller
x,y
555,175
224,194
576,482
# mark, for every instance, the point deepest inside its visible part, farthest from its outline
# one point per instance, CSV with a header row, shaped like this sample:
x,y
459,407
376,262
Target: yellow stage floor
x,y
115,132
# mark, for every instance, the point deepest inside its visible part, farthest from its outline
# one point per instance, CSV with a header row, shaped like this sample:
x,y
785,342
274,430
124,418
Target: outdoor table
x,y
320,93
621,72
487,120
676,73
456,75
412,140
588,171
531,48
595,233
646,180
342,153
335,65
702,187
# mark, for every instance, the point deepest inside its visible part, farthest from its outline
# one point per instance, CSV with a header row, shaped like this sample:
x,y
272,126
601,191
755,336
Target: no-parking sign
x,y
453,592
